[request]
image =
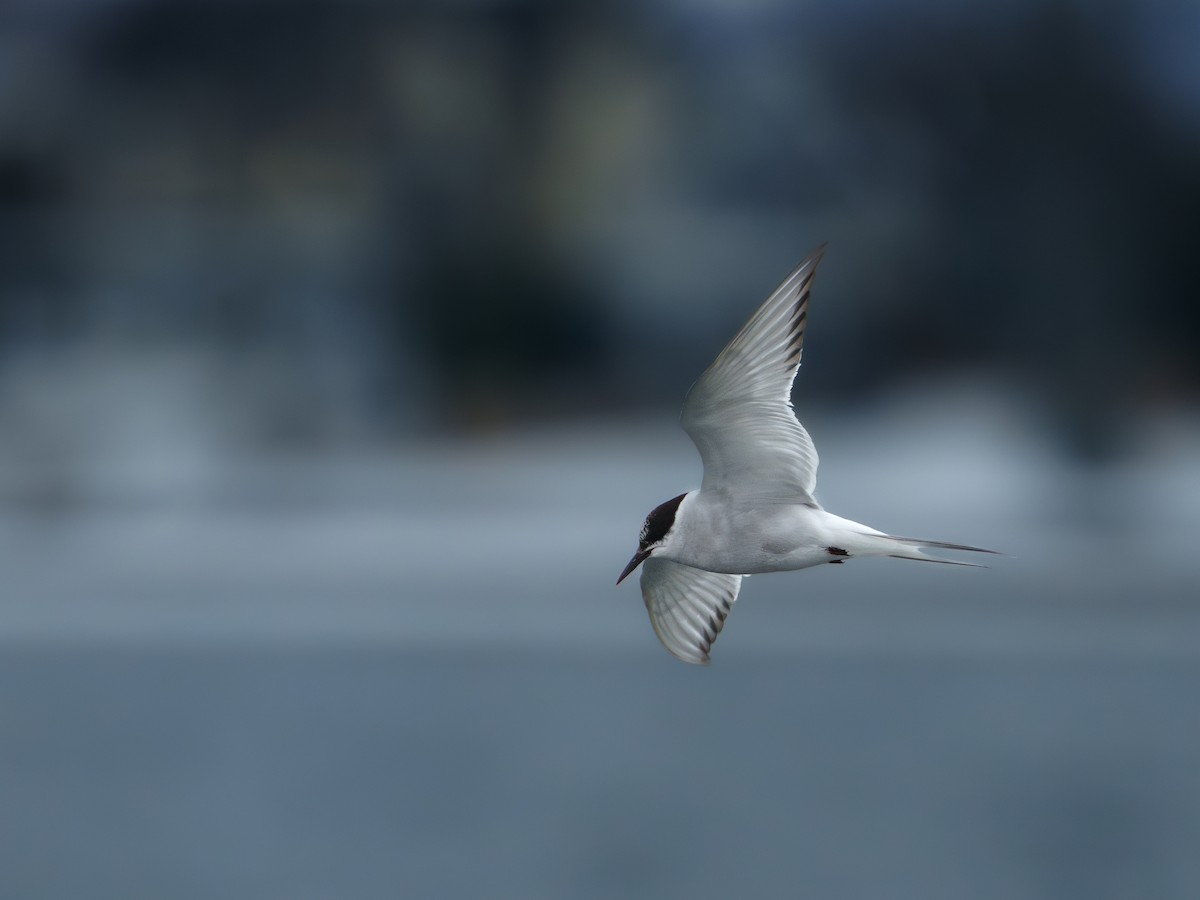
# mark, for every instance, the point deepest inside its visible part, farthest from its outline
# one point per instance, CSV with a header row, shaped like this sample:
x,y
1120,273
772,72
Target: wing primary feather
x,y
687,606
739,412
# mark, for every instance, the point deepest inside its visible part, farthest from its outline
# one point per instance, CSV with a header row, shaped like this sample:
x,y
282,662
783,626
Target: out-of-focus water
x,y
411,675
290,606
519,539
529,772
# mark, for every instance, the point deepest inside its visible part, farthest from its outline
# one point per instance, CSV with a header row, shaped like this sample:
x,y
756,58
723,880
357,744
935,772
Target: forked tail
x,y
911,548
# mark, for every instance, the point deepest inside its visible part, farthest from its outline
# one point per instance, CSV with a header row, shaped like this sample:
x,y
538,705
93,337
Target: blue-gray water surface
x,y
376,772
411,675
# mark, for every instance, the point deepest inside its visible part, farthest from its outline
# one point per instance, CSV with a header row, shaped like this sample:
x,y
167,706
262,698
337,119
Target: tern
x,y
755,511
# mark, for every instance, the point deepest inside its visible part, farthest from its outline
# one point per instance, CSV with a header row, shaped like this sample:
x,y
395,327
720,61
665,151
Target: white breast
x,y
719,536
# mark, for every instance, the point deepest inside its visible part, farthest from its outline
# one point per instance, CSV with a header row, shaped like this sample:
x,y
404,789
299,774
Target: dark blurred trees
x,y
386,217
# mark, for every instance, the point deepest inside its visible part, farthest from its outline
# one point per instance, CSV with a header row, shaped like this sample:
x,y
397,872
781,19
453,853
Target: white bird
x,y
754,511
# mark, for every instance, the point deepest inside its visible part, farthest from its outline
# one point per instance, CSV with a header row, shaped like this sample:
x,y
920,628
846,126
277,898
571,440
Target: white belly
x,y
772,538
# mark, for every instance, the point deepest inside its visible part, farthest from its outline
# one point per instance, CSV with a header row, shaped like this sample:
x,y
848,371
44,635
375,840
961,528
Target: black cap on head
x,y
659,522
654,529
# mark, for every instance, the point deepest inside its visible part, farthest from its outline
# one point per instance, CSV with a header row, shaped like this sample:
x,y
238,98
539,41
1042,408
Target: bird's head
x,y
656,531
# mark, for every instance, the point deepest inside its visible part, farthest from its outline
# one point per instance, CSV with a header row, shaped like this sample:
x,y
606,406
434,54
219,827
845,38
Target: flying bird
x,y
755,511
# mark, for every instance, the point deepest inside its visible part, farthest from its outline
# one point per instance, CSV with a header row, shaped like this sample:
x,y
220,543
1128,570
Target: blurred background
x,y
341,352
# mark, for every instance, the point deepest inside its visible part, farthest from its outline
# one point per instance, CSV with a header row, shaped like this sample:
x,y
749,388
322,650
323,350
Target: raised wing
x,y
687,606
739,413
